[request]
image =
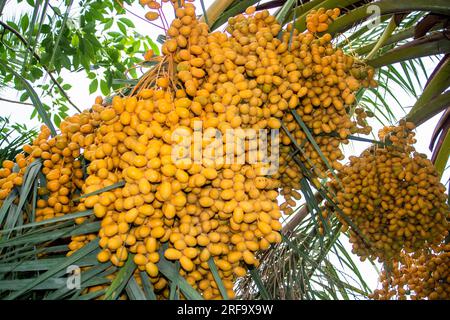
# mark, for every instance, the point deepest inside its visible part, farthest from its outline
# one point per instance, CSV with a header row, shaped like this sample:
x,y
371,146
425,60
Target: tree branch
x,y
38,58
289,227
16,102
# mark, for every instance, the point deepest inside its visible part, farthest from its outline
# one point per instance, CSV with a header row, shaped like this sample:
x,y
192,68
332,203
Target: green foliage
x,y
12,138
51,38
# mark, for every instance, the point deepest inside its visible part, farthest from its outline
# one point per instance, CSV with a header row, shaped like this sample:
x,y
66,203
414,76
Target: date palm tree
x,y
306,264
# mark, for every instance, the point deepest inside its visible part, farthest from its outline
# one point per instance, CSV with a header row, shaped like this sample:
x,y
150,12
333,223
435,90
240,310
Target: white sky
x,y
79,93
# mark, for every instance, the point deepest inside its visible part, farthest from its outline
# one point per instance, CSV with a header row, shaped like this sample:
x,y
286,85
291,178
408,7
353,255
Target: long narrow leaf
x,y
215,273
108,188
66,217
147,286
443,155
33,96
133,290
168,269
43,264
121,279
91,246
257,279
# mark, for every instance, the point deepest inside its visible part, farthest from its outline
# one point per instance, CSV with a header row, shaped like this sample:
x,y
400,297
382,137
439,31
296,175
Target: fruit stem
x,y
392,25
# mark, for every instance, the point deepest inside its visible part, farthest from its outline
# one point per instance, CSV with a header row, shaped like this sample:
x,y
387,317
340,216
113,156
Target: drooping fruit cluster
x,y
185,204
392,197
11,177
173,197
61,167
257,79
156,7
318,20
418,276
230,82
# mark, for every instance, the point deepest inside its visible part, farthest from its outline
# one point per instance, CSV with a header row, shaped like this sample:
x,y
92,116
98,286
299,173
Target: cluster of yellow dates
x,y
391,200
418,276
393,197
248,77
245,78
61,166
